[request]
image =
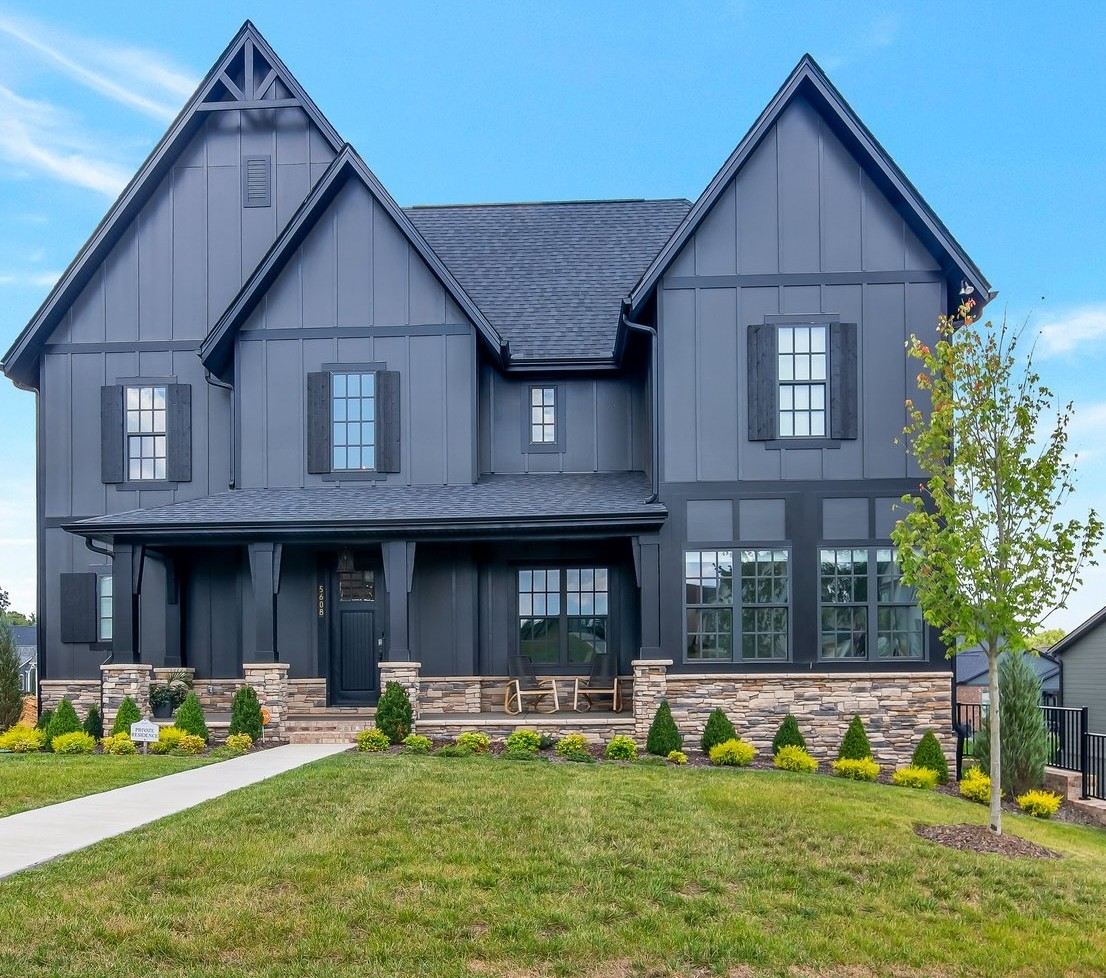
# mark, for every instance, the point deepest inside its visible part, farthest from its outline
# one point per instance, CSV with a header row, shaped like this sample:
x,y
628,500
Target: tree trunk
x,y
995,723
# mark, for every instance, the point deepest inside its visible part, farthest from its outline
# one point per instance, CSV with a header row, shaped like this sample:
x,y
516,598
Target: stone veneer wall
x,y
306,696
82,693
216,695
270,681
897,708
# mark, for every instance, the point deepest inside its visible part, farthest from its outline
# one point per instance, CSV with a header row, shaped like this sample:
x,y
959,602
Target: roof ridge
x,y
550,203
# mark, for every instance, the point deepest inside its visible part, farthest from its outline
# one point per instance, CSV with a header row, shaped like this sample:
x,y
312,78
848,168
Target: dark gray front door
x,y
356,637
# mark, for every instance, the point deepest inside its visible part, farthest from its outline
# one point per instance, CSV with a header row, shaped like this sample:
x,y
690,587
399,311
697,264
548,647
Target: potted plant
x,y
168,693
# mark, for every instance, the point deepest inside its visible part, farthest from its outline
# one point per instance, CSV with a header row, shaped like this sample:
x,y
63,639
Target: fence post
x,y
1084,750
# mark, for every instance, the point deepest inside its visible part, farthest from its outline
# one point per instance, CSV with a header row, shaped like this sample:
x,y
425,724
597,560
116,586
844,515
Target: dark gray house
x,y
291,431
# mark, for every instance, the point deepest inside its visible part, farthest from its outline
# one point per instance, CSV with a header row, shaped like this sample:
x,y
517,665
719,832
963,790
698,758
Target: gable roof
x,y
551,277
230,84
216,349
808,80
971,668
1073,637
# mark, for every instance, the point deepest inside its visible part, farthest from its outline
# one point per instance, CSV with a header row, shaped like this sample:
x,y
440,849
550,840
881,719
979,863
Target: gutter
x,y
651,332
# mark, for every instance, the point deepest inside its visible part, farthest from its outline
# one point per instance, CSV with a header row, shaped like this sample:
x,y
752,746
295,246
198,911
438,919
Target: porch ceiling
x,y
497,504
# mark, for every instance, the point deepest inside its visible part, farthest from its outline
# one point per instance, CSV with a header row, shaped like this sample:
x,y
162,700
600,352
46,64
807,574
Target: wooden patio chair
x,y
524,682
602,681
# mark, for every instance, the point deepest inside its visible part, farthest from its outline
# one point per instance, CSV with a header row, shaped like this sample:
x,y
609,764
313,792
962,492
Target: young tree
x,y
11,693
984,543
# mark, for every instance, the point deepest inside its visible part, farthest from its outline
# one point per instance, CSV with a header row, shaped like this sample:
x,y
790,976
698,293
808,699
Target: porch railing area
x,y
1072,746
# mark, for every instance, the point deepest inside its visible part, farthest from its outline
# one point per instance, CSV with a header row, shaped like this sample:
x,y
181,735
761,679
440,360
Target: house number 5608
x,y
322,601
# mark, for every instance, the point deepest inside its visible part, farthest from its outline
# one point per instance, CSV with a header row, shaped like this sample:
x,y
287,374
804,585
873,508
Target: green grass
x,y
34,780
384,865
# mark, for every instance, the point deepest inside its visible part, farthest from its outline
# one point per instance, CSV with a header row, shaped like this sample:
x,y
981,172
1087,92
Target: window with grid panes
x,y
103,607
353,421
543,415
764,604
145,418
564,613
802,375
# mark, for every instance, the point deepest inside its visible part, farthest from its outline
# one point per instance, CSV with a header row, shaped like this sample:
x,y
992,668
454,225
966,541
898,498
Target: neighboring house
x,y
293,431
26,648
1082,656
972,679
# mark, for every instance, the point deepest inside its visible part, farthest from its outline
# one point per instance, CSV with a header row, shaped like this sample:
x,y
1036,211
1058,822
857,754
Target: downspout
x,y
233,423
651,331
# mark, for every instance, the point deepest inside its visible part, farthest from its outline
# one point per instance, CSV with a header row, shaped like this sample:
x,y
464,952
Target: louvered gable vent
x,y
256,181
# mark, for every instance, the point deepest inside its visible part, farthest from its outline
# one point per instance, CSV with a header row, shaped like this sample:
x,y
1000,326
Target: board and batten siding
x,y
1083,668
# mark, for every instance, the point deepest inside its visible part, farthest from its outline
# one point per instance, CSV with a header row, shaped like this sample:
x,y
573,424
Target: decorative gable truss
x,y
250,79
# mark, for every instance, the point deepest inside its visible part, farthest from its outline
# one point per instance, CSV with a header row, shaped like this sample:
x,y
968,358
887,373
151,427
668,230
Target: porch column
x,y
172,612
399,569
120,680
647,569
650,687
270,682
126,585
265,576
407,675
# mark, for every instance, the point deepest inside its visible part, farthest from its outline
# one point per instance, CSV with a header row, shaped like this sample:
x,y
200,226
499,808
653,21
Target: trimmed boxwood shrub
x,y
855,746
64,721
190,717
94,723
664,736
718,730
928,754
394,714
245,714
788,735
128,714
732,752
793,758
864,769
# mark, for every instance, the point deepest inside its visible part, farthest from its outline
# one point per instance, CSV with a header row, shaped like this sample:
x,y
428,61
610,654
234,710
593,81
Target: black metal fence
x,y
1072,747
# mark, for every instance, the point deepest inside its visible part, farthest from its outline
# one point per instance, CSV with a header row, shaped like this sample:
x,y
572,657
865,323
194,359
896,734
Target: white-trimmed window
x,y
802,371
147,455
353,421
543,415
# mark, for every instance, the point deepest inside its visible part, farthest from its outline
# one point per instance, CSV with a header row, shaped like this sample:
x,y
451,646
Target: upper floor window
x,y
802,377
146,429
353,409
543,415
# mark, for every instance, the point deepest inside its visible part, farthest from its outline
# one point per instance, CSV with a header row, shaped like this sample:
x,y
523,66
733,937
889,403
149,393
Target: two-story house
x,y
292,432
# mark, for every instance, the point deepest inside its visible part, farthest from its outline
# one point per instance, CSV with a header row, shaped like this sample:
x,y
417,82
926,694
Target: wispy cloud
x,y
36,279
139,79
1082,326
37,135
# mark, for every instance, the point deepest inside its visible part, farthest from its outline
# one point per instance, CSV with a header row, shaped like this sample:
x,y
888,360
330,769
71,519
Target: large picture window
x,y
867,611
563,614
759,598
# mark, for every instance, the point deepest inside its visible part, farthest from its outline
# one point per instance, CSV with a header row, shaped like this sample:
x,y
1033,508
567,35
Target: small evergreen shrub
x,y
239,741
373,741
11,692
394,714
94,723
975,785
1039,804
788,735
718,730
678,757
119,743
22,740
664,737
524,740
1025,741
245,714
190,717
416,744
621,748
76,742
547,742
915,777
128,714
188,745
864,769
476,742
44,719
64,720
732,752
794,758
453,750
570,743
928,753
855,746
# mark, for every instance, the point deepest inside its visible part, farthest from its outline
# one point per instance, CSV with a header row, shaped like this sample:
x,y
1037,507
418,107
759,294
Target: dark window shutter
x,y
78,608
178,428
387,421
318,422
112,460
843,381
763,386
257,181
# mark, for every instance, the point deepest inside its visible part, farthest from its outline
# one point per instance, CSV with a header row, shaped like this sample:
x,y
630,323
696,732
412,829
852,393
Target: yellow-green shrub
x,y
77,742
976,786
478,743
189,744
373,741
915,777
1039,804
571,744
524,740
119,743
793,758
239,741
677,757
858,769
621,748
416,744
734,753
167,739
22,739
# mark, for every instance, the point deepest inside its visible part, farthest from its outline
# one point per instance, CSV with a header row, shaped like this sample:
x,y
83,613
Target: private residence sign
x,y
144,732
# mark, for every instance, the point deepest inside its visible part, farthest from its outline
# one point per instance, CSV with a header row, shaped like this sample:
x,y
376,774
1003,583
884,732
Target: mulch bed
x,y
979,838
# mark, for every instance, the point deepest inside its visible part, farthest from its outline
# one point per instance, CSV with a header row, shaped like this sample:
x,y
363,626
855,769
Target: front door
x,y
356,636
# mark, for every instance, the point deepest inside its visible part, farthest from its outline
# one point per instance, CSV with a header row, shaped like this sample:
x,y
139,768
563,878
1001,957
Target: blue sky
x,y
994,110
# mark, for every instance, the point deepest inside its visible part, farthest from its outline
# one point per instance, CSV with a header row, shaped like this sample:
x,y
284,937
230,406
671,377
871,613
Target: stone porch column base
x,y
407,675
650,687
270,682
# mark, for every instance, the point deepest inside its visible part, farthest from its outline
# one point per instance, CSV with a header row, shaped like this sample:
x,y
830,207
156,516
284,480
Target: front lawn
x,y
387,865
34,780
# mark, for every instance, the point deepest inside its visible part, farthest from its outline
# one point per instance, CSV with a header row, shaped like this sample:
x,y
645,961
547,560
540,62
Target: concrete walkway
x,y
42,834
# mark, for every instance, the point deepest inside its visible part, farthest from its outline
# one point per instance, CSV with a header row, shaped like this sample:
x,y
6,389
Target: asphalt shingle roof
x,y
551,277
373,506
